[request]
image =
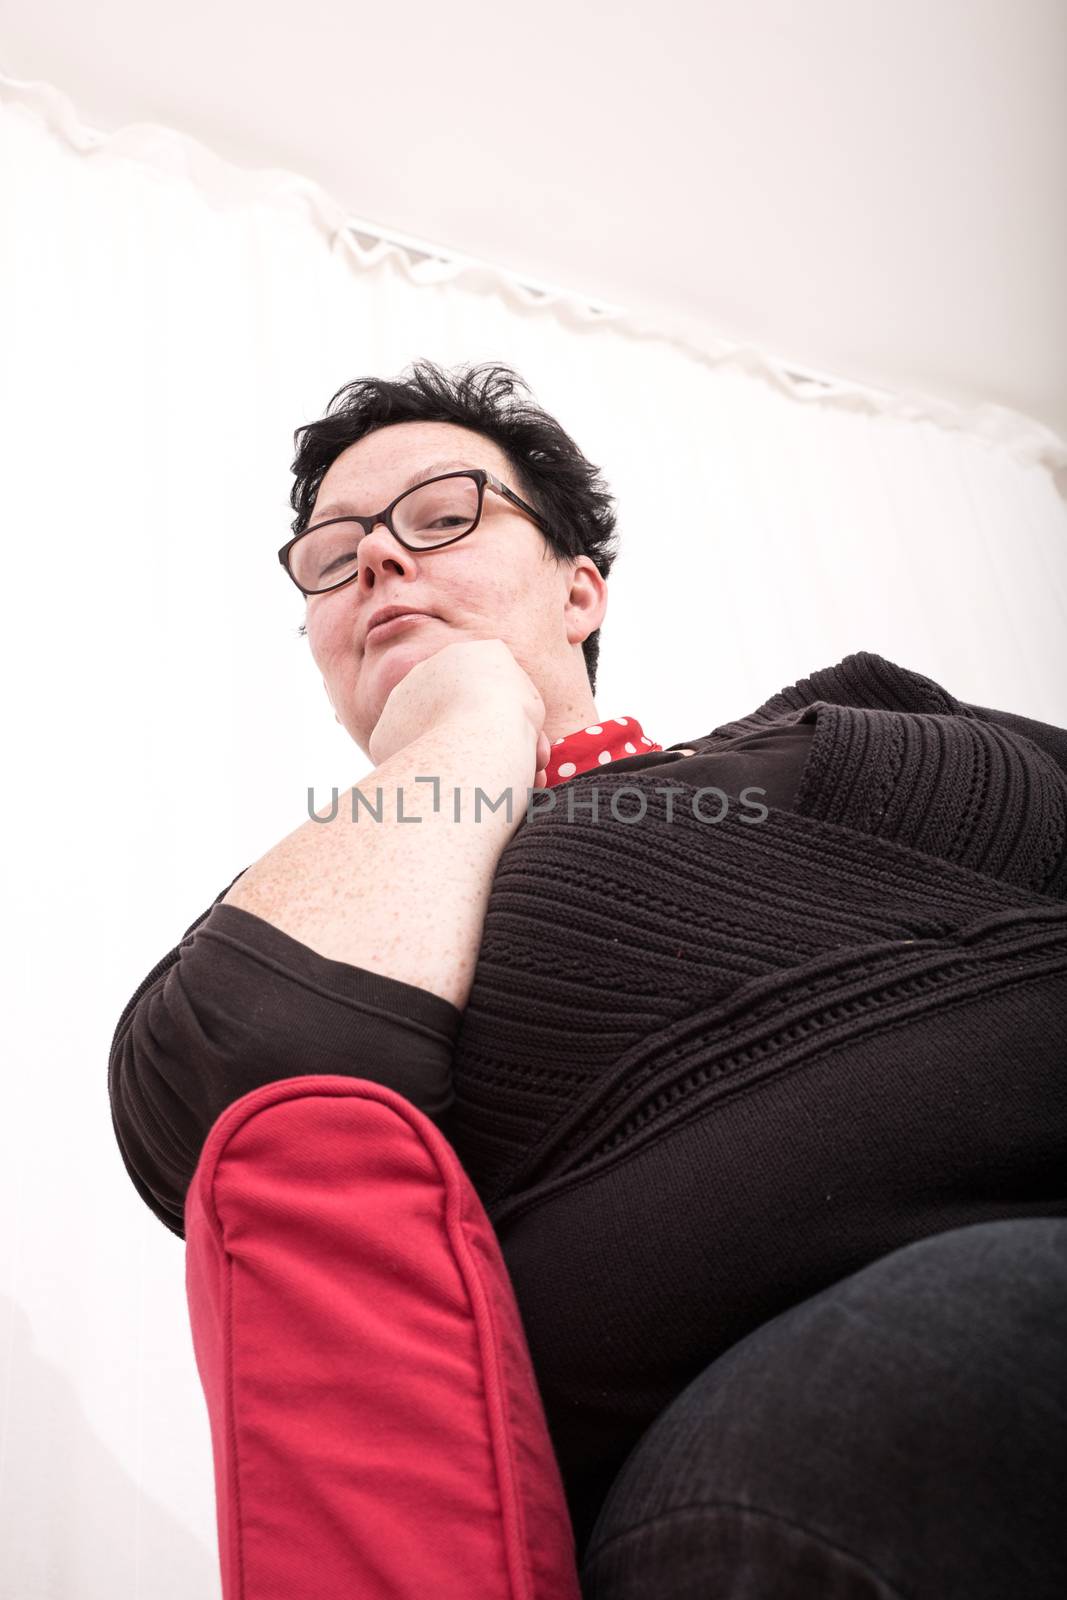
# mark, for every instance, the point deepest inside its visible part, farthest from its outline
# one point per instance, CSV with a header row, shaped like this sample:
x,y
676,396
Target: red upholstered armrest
x,y
375,1421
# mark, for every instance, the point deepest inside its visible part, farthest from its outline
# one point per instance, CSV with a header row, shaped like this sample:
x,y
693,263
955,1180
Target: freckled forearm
x,y
403,898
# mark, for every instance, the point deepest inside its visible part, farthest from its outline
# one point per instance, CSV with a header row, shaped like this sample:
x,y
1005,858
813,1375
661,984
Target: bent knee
x,y
911,1414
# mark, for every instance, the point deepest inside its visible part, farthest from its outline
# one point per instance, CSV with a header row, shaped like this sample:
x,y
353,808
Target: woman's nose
x,y
380,551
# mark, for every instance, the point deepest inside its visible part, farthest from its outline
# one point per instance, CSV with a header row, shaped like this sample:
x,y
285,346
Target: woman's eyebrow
x,y
340,508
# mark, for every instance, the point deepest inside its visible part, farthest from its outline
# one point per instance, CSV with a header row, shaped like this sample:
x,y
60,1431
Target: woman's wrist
x,y
497,743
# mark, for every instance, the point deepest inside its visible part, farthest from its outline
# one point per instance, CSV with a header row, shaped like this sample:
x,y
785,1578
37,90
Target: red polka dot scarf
x,y
595,746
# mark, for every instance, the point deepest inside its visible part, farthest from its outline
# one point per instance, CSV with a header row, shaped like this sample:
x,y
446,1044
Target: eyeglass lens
x,y
430,514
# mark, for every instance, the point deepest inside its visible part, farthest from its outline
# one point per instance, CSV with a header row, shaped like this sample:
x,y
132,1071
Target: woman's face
x,y
500,582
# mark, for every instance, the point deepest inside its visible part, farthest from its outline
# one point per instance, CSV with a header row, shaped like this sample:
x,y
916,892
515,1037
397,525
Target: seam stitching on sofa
x,y
272,1094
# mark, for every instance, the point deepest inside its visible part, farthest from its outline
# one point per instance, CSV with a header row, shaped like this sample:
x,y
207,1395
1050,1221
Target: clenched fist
x,y
477,681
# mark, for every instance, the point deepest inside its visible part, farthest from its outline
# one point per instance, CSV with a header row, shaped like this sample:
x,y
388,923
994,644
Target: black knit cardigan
x,y
707,1070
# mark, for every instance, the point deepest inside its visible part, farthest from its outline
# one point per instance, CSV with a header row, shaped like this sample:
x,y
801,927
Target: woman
x,y
753,1048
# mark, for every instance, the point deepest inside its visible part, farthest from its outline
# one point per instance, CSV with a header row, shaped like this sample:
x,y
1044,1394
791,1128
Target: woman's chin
x,y
395,660
399,656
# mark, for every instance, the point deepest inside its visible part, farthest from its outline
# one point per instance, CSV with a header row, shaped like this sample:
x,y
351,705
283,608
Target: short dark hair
x,y
549,469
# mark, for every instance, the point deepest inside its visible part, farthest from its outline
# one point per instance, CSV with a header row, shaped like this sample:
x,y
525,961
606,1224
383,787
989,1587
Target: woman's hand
x,y
410,902
475,681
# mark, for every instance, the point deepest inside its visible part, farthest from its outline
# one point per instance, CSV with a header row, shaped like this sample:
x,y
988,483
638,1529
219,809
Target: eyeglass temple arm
x,y
502,488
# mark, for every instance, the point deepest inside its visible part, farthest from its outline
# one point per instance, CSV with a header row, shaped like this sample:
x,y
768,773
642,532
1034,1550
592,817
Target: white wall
x,y
164,334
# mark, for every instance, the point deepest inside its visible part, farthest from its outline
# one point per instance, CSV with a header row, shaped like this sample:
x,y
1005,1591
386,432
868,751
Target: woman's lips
x,y
384,629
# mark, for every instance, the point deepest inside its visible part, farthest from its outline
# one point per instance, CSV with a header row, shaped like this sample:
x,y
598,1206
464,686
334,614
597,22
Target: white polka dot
x,y
605,755
557,741
630,748
622,721
644,740
566,769
596,728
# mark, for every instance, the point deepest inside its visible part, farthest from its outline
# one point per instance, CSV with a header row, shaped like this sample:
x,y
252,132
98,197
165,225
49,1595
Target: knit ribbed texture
x,y
917,826
952,787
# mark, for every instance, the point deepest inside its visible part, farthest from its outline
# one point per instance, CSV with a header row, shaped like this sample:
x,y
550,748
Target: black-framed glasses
x,y
434,513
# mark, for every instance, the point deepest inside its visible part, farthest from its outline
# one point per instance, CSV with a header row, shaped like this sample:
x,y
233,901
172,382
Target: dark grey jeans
x,y
900,1436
